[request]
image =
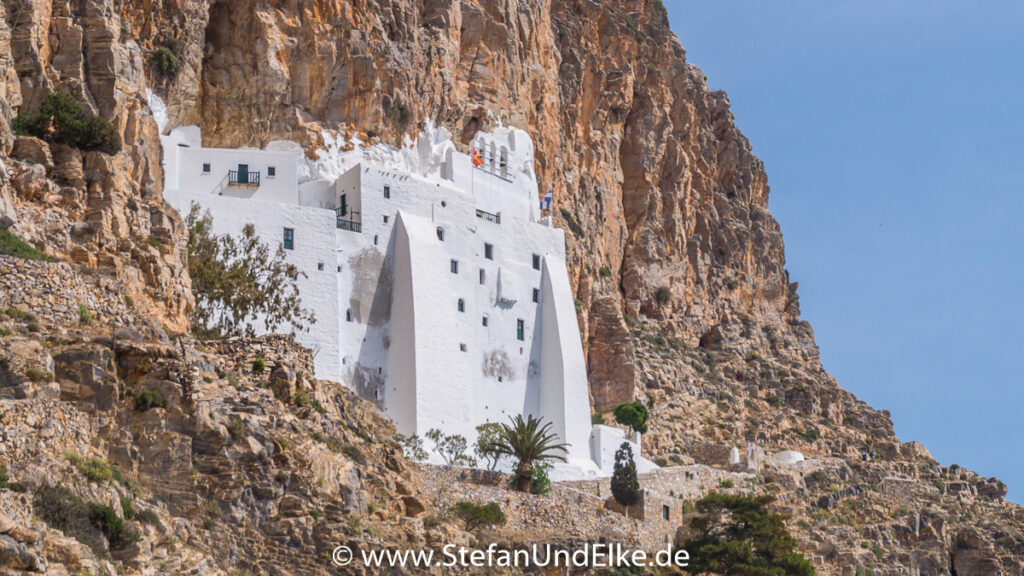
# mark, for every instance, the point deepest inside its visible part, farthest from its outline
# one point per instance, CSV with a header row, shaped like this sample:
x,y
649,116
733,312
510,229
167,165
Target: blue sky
x,y
892,137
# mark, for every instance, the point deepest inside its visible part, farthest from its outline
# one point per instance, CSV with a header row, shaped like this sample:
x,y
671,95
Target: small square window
x,y
385,219
665,512
206,167
484,320
339,268
289,238
387,191
271,171
489,251
536,294
463,347
320,266
536,261
455,267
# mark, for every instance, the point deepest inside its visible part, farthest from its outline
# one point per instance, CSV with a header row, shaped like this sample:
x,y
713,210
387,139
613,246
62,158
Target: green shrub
x,y
236,428
301,399
149,398
112,526
148,517
597,418
605,272
128,508
632,414
11,245
63,510
84,316
354,454
571,222
659,6
476,516
5,477
63,120
541,483
726,483
735,534
663,295
38,376
259,365
165,62
95,470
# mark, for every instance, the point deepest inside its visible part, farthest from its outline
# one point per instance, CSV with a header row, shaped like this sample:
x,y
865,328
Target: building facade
x,y
440,290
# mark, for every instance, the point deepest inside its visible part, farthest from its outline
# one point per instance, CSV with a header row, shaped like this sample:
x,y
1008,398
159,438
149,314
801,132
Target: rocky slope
x,y
677,265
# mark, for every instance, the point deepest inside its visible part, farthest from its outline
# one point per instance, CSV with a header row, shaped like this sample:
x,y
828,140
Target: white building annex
x,y
440,291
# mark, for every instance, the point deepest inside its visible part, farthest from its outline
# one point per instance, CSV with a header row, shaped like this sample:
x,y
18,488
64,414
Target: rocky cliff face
x,y
668,206
677,265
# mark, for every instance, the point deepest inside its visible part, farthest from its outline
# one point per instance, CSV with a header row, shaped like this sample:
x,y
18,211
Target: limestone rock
x,y
32,150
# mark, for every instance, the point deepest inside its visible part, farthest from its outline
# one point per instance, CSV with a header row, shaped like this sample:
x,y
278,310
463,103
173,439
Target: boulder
x,y
87,374
32,150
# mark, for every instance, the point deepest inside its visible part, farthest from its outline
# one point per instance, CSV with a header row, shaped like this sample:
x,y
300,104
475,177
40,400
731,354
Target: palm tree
x,y
530,443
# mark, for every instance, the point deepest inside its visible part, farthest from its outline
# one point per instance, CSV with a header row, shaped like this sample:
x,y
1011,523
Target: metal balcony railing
x,y
496,218
247,178
350,225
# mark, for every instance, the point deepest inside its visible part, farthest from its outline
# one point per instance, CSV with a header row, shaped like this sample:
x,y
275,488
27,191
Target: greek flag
x,y
545,204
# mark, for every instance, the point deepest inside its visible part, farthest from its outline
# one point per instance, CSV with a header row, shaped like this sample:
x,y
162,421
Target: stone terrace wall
x,y
53,291
577,511
274,349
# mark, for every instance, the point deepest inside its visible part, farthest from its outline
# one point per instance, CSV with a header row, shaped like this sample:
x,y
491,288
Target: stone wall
x,y
580,510
274,349
53,291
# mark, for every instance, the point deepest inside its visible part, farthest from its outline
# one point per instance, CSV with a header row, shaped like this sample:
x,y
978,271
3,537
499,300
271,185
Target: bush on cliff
x,y
476,515
63,120
738,536
236,282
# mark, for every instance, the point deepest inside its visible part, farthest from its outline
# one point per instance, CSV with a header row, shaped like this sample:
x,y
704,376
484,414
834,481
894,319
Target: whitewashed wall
x,y
314,246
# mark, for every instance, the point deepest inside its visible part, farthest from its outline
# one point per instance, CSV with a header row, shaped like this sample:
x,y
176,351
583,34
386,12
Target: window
x,y
440,234
374,239
665,512
387,191
385,219
271,171
520,329
455,267
206,167
339,268
536,261
483,276
489,251
320,266
348,315
536,294
461,305
463,347
289,238
484,321
343,208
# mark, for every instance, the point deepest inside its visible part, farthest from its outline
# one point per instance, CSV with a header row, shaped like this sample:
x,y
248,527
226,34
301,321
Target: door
x,y
243,173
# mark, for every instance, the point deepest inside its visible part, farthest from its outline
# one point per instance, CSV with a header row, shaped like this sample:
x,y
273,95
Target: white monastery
x,y
440,291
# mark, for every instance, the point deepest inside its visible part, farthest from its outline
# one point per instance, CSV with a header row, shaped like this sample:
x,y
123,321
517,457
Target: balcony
x,y
244,179
350,225
496,218
346,219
